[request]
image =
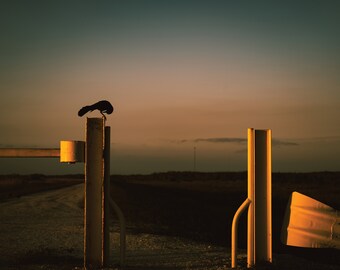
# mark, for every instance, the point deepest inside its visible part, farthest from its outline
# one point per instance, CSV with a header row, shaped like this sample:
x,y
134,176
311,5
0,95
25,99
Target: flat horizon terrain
x,y
175,220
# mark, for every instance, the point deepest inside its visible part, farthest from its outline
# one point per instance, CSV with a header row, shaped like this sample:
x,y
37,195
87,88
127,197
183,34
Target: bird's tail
x,y
84,110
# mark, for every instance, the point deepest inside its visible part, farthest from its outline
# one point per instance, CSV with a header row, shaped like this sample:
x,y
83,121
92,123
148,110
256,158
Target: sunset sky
x,y
180,74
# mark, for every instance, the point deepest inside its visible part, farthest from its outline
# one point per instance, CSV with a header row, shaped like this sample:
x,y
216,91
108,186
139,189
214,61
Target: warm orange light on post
x,y
251,197
259,230
72,151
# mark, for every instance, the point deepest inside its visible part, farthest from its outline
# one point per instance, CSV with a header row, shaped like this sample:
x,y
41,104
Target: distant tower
x,y
194,158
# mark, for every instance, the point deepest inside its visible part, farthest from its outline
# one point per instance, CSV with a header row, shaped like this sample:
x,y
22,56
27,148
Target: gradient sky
x,y
180,74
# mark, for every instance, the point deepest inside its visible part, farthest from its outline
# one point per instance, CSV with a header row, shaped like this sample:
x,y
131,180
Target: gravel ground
x,y
45,231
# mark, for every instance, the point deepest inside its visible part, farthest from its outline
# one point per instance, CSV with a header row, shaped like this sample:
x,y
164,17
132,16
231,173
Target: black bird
x,y
103,106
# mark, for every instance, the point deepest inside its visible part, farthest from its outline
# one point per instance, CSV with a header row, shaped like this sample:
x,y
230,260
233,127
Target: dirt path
x,y
41,227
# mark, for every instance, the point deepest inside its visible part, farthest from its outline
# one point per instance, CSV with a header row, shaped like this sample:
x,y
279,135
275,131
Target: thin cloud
x,y
221,140
278,143
233,140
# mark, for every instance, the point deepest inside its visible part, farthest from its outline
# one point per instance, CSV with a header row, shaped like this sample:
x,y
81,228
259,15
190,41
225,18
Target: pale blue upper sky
x,y
175,71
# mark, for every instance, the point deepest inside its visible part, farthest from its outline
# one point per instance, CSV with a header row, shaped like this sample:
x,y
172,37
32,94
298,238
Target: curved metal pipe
x,y
122,224
237,215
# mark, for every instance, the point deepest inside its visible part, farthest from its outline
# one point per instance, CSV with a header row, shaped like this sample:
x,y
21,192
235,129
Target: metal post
x,y
195,159
251,197
122,225
94,175
259,243
263,198
106,200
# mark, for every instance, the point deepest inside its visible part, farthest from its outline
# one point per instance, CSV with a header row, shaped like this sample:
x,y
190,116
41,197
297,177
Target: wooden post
x,y
94,187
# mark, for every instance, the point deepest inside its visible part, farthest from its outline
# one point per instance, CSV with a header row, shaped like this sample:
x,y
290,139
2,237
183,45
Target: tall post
x,y
260,194
106,200
251,197
259,201
194,158
263,196
94,175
